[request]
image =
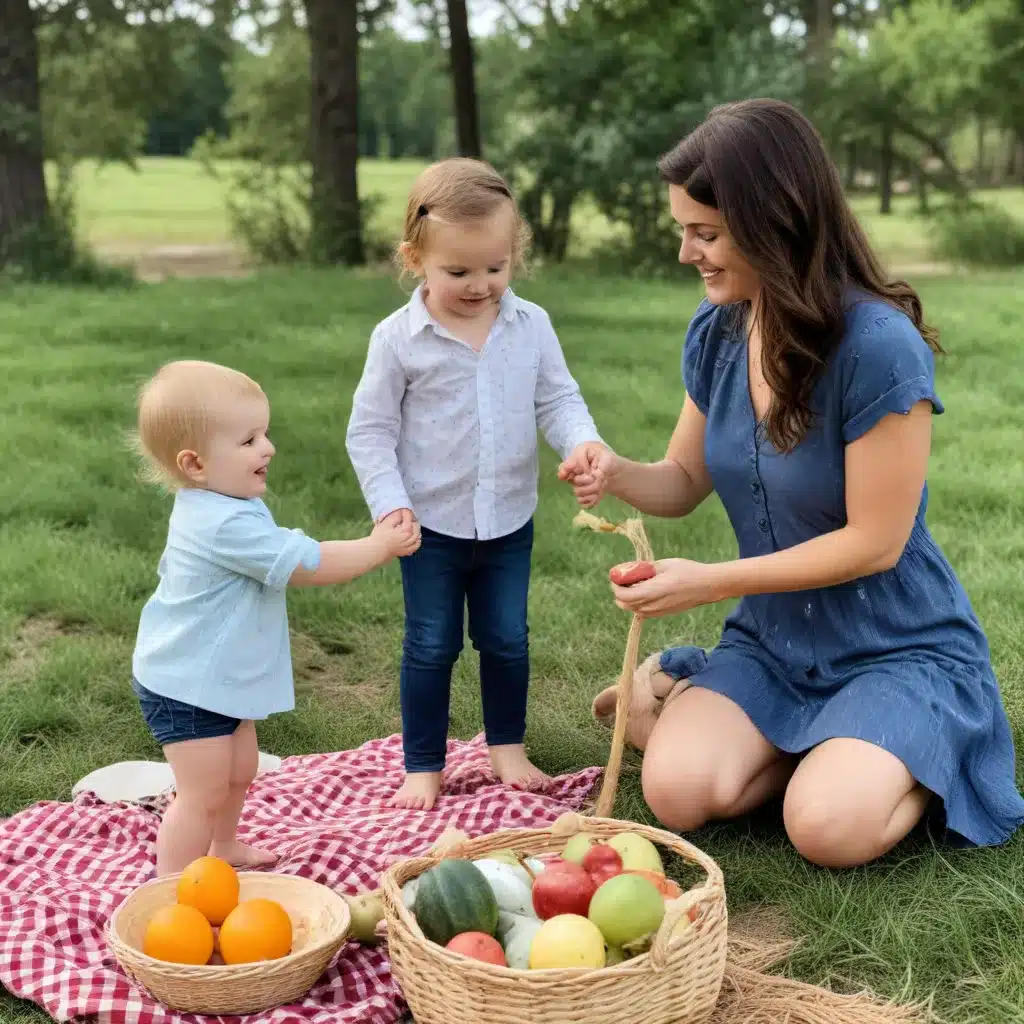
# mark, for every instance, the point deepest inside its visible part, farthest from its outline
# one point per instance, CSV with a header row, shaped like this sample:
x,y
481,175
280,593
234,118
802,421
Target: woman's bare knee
x,y
702,756
850,802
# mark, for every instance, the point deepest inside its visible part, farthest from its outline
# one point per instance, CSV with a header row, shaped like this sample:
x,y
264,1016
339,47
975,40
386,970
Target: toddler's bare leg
x,y
245,758
202,770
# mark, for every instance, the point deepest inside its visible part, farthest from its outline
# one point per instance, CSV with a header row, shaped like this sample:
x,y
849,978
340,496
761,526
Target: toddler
x,y
212,652
443,438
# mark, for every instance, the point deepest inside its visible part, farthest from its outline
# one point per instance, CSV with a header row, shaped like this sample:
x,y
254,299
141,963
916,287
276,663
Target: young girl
x,y
212,652
443,437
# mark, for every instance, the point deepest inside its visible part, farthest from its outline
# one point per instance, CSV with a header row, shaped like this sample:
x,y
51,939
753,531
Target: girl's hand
x,y
678,586
590,469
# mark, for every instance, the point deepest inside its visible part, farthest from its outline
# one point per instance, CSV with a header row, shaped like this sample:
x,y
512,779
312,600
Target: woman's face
x,y
707,244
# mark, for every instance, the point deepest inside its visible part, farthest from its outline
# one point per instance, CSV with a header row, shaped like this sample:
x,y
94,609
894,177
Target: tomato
x,y
628,573
479,946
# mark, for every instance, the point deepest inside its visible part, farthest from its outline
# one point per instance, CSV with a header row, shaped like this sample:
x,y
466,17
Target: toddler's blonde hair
x,y
177,411
458,190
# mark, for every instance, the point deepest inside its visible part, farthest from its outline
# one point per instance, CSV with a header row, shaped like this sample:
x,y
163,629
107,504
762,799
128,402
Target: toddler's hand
x,y
589,469
399,531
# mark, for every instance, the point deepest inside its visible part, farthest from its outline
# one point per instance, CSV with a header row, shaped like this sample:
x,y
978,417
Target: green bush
x,y
978,234
48,252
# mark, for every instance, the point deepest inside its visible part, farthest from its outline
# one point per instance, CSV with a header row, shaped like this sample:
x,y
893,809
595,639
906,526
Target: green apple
x,y
637,852
576,849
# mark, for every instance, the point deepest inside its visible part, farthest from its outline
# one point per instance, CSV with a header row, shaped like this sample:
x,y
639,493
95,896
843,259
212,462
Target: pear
x,y
367,912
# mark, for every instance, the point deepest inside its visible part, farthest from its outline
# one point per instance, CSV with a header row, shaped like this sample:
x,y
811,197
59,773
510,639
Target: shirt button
x,y
763,523
755,487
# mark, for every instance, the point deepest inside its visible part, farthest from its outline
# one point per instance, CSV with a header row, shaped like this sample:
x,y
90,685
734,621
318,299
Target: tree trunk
x,y
980,171
23,199
460,49
885,168
334,70
818,19
851,165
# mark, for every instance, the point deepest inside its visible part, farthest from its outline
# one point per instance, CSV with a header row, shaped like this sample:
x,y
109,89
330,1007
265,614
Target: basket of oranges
x,y
216,941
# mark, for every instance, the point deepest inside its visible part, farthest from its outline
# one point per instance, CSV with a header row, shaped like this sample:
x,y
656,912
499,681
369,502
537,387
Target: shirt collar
x,y
420,316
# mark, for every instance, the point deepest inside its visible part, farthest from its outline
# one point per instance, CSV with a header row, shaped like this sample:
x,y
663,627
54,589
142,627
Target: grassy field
x,y
79,539
175,202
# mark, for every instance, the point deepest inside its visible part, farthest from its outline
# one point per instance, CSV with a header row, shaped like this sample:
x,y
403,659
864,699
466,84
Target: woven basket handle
x,y
634,530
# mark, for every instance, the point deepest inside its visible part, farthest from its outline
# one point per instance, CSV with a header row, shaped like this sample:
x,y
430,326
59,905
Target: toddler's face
x,y
466,267
234,459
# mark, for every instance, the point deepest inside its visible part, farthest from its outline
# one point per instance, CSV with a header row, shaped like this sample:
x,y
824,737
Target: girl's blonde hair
x,y
458,190
177,411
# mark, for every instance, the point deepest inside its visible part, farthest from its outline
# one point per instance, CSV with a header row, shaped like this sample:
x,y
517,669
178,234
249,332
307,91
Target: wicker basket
x,y
677,981
320,923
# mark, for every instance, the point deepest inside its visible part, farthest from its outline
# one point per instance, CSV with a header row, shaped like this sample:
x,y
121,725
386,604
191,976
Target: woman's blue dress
x,y
897,658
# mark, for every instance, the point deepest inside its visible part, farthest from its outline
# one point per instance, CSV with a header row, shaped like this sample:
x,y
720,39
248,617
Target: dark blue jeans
x,y
445,576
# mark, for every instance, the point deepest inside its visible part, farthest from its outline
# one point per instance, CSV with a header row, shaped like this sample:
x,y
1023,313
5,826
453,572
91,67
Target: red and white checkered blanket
x,y
64,868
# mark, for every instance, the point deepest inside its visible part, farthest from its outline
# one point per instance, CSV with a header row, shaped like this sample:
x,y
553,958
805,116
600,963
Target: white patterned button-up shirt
x,y
450,432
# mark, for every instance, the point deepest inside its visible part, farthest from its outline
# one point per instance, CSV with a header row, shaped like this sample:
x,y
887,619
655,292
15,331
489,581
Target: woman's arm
x,y
885,475
671,488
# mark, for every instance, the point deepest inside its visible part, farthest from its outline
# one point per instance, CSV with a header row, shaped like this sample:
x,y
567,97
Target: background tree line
x,y
574,100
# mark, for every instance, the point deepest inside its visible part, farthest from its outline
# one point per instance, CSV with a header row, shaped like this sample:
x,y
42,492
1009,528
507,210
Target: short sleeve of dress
x,y
886,366
699,354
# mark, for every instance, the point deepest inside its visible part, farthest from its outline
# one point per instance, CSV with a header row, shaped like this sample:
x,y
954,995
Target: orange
x,y
179,935
211,886
256,929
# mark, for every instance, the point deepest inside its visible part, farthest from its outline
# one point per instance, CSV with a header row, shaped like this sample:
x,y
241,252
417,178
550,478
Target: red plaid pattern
x,y
64,868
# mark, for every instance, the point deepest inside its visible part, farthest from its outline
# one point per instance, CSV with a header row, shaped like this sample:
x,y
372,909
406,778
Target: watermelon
x,y
454,897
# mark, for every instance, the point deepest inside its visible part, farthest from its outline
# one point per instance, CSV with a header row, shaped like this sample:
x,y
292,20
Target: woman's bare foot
x,y
241,856
419,792
514,768
652,690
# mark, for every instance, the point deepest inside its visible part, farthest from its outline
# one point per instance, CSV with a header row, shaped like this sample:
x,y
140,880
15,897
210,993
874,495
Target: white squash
x,y
518,941
409,893
510,885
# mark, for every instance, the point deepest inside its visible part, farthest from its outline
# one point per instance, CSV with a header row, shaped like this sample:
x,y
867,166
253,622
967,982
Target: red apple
x,y
564,889
602,862
628,573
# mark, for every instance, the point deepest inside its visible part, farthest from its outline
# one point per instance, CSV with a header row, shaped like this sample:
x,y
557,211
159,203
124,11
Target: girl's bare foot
x,y
652,690
242,856
514,768
419,792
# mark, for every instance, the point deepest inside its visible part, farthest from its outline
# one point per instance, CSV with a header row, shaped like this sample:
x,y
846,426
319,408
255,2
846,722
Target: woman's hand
x,y
677,586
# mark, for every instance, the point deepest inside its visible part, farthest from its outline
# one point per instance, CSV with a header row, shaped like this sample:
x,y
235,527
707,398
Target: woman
x,y
853,676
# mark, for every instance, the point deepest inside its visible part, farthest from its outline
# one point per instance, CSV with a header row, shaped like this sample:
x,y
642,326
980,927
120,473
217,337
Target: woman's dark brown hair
x,y
765,168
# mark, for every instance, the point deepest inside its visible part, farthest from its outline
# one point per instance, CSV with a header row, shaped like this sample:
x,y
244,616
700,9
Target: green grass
x,y
170,201
79,540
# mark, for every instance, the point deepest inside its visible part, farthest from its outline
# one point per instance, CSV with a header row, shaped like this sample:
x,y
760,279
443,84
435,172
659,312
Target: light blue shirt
x,y
215,632
451,432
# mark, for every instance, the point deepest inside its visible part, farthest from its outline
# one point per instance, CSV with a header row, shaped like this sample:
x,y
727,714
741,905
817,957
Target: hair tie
x,y
422,211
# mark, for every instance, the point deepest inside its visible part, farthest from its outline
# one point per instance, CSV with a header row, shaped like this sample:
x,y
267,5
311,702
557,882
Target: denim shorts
x,y
171,721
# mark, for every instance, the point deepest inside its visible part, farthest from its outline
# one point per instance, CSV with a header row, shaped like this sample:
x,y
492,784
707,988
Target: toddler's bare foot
x,y
514,768
419,792
241,856
652,689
